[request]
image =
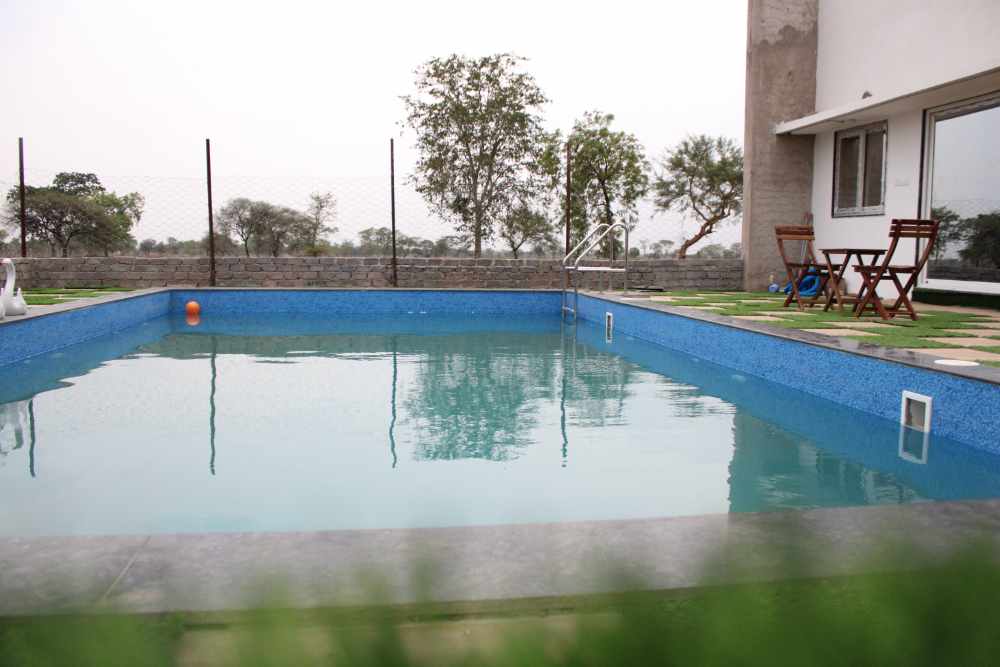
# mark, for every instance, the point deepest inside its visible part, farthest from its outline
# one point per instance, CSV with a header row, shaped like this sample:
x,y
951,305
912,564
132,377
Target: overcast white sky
x,y
300,96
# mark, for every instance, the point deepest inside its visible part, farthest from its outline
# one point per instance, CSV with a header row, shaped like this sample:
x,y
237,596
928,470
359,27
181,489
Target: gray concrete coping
x,y
229,571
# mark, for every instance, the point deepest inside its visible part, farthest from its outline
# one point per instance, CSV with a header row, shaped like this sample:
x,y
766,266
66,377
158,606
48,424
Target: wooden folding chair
x,y
926,230
808,265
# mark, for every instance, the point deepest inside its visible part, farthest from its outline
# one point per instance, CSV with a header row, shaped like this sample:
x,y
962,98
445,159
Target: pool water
x,y
307,423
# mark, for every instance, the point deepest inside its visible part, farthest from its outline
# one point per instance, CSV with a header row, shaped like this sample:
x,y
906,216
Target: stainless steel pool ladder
x,y
571,263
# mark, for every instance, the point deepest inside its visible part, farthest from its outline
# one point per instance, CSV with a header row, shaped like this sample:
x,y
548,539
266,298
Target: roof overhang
x,y
878,108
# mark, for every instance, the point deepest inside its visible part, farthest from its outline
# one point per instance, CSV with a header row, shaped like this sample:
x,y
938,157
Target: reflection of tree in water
x,y
477,396
596,386
774,469
684,400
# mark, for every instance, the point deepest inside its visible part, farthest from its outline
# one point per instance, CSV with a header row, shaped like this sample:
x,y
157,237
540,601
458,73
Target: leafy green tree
x,y
375,241
609,173
314,226
704,176
78,184
224,246
658,249
147,246
522,224
76,208
479,136
56,217
277,226
124,212
240,218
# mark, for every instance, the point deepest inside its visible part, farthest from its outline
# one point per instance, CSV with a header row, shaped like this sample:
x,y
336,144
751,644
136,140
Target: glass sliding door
x,y
962,190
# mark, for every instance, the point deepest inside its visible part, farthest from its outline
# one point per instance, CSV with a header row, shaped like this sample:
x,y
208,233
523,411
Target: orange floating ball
x,y
193,320
192,308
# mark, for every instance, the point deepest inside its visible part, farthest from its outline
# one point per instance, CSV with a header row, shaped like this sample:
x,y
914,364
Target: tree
x,y
124,212
322,210
479,135
375,241
658,249
57,217
240,217
277,225
608,173
453,244
704,176
147,246
224,245
523,225
78,184
77,208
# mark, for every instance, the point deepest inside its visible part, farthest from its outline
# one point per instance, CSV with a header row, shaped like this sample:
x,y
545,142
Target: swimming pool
x,y
317,410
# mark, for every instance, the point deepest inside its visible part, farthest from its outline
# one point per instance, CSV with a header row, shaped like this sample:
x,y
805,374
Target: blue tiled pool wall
x,y
832,426
38,335
964,410
49,370
20,340
360,303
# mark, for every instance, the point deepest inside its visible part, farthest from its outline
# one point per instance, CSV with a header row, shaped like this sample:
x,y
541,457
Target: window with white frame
x,y
859,171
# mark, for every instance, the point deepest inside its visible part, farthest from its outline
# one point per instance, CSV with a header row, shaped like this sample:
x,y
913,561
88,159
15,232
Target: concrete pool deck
x,y
227,571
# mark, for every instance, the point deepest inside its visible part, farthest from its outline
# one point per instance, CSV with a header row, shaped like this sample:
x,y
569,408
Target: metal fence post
x,y
569,196
211,219
392,206
21,194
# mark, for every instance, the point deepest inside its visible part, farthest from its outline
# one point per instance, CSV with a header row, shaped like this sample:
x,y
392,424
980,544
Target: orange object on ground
x,y
192,308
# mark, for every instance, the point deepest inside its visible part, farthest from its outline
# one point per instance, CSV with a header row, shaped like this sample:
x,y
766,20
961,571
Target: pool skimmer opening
x,y
914,427
915,411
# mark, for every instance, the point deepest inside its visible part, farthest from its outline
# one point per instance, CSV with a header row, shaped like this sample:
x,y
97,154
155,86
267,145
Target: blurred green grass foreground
x,y
943,613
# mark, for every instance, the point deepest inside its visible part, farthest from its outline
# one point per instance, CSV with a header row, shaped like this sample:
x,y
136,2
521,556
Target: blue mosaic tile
x,y
854,437
964,410
370,302
38,335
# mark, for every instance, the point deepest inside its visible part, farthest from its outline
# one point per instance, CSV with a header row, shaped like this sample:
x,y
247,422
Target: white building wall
x,y
887,47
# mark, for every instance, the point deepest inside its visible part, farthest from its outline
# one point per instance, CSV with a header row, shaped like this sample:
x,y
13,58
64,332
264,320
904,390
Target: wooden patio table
x,y
838,269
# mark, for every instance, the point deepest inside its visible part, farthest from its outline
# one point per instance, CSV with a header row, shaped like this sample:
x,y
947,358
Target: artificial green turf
x,y
904,333
48,296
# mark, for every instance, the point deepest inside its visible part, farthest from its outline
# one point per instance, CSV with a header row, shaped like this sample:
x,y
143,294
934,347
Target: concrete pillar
x,y
781,85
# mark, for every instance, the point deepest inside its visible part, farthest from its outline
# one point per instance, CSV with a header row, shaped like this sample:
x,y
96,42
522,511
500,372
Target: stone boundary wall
x,y
363,272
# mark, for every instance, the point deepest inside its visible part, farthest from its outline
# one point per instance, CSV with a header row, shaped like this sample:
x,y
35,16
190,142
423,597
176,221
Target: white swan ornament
x,y
13,302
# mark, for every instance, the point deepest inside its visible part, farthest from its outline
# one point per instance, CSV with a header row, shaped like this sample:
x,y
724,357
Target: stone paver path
x,y
966,341
977,332
840,332
758,318
862,324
